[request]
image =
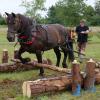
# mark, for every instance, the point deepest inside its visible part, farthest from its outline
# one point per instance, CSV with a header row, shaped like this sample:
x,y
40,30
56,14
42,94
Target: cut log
x,y
20,67
76,76
89,80
45,85
97,78
5,56
48,66
74,79
15,67
31,88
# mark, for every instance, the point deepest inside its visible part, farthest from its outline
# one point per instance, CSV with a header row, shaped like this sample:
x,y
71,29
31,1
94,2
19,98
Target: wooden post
x,y
89,80
76,78
16,54
5,56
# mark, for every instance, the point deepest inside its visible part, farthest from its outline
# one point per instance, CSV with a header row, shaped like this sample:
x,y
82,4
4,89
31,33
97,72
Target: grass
x,y
11,83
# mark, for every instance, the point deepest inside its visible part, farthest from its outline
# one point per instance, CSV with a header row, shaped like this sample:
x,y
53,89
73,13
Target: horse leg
x,y
58,55
64,60
23,60
39,58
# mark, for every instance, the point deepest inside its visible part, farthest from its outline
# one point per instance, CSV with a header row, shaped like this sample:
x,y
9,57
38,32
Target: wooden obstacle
x,y
45,85
31,88
18,66
76,76
89,80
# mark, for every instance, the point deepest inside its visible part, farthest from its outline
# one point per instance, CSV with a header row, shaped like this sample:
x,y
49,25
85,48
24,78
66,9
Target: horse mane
x,y
25,20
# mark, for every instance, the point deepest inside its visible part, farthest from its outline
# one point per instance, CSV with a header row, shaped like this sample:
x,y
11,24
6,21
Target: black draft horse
x,y
36,39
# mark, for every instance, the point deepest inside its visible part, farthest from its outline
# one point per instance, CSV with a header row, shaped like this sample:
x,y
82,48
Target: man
x,y
82,35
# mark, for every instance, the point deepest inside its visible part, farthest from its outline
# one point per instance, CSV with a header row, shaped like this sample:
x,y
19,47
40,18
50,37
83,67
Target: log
x,y
18,66
13,67
97,78
76,78
31,88
45,85
51,67
89,80
48,66
5,56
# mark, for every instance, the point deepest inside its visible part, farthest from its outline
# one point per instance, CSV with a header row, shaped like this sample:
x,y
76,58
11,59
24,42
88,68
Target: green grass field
x,y
11,83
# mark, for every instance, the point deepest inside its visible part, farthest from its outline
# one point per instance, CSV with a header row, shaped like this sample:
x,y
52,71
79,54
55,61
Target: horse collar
x,y
25,39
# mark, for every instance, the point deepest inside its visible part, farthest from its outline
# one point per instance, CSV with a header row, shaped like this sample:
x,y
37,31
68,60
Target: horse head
x,y
14,23
17,24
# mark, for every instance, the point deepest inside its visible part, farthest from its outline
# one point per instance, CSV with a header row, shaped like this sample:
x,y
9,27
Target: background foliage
x,y
66,12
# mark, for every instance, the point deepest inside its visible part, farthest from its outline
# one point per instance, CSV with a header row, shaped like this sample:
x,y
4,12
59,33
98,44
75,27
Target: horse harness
x,y
29,39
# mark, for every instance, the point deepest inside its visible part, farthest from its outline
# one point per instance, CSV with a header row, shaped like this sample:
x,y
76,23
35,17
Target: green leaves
x,y
69,12
33,7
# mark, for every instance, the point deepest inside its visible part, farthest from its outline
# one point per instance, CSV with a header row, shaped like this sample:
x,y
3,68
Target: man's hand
x,y
82,32
85,32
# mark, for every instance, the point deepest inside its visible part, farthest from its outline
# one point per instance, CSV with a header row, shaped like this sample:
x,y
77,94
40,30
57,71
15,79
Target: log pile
x,y
31,88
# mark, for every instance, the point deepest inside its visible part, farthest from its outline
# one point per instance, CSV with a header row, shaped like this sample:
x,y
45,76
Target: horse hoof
x,y
26,60
64,65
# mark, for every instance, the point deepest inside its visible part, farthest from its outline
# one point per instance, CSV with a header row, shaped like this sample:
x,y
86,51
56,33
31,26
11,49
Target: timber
x,y
31,88
45,85
76,76
18,66
72,80
47,66
90,75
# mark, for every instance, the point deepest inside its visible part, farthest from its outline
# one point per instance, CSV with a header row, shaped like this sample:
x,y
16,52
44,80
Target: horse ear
x,y
14,15
6,13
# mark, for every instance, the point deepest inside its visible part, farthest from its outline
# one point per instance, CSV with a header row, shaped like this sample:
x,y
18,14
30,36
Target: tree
x,y
69,12
97,7
2,20
89,13
33,7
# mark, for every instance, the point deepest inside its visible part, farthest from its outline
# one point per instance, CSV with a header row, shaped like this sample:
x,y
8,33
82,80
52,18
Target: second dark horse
x,y
36,39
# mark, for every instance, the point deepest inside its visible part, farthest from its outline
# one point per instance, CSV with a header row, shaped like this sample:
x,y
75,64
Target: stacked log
x,y
31,88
